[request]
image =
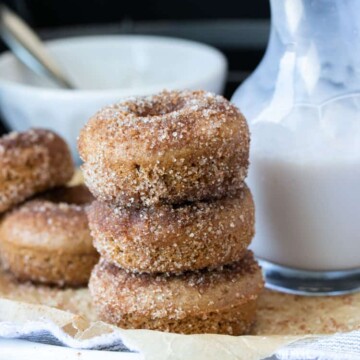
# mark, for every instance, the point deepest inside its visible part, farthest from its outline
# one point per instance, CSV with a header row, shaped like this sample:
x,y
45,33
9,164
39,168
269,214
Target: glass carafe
x,y
303,108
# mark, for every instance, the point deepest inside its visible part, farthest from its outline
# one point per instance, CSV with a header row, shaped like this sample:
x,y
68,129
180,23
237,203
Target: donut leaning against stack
x,y
173,216
45,239
32,162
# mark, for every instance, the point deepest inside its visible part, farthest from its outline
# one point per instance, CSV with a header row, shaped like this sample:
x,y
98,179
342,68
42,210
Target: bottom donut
x,y
221,301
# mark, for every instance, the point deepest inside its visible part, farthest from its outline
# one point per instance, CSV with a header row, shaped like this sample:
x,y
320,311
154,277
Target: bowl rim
x,y
149,89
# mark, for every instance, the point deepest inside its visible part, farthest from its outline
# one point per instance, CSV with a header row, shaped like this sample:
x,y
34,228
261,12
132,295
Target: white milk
x,y
307,215
305,178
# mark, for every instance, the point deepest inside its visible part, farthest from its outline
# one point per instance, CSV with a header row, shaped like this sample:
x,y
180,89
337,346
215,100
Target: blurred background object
x,y
26,45
238,29
104,69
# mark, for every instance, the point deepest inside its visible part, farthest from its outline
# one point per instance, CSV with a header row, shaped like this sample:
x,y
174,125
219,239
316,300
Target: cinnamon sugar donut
x,y
31,162
47,239
168,238
168,148
221,301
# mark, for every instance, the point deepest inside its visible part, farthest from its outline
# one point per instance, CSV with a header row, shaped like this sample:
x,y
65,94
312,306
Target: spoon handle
x,y
28,47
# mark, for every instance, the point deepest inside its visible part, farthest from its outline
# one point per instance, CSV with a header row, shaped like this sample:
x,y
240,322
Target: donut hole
x,y
157,107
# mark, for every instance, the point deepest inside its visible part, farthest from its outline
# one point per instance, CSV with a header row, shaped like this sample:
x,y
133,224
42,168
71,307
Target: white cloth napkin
x,y
343,346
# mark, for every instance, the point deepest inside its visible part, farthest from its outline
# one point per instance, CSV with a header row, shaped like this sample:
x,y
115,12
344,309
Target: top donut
x,y
168,148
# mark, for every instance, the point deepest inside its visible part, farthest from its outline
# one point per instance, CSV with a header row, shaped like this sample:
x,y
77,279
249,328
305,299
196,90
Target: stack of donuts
x,y
173,217
44,235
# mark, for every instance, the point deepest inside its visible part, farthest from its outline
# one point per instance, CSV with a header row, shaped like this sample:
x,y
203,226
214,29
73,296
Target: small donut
x,y
47,239
31,162
221,301
169,148
169,238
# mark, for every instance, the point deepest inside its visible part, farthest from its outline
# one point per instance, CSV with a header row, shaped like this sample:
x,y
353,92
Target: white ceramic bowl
x,y
105,69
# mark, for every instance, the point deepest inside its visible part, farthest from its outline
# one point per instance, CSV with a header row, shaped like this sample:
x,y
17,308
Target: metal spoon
x,y
28,47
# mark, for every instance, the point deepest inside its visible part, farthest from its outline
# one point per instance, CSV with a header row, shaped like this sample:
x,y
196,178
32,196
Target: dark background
x,y
238,28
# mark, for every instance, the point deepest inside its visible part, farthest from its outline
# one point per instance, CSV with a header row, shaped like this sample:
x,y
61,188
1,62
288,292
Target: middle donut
x,y
174,238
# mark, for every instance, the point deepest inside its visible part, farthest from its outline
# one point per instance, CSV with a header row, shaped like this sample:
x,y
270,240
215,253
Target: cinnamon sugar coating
x,y
219,301
167,148
168,238
48,240
31,162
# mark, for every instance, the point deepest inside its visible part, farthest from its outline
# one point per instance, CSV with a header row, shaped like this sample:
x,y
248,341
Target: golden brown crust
x,y
167,148
171,238
31,162
48,267
47,240
216,301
